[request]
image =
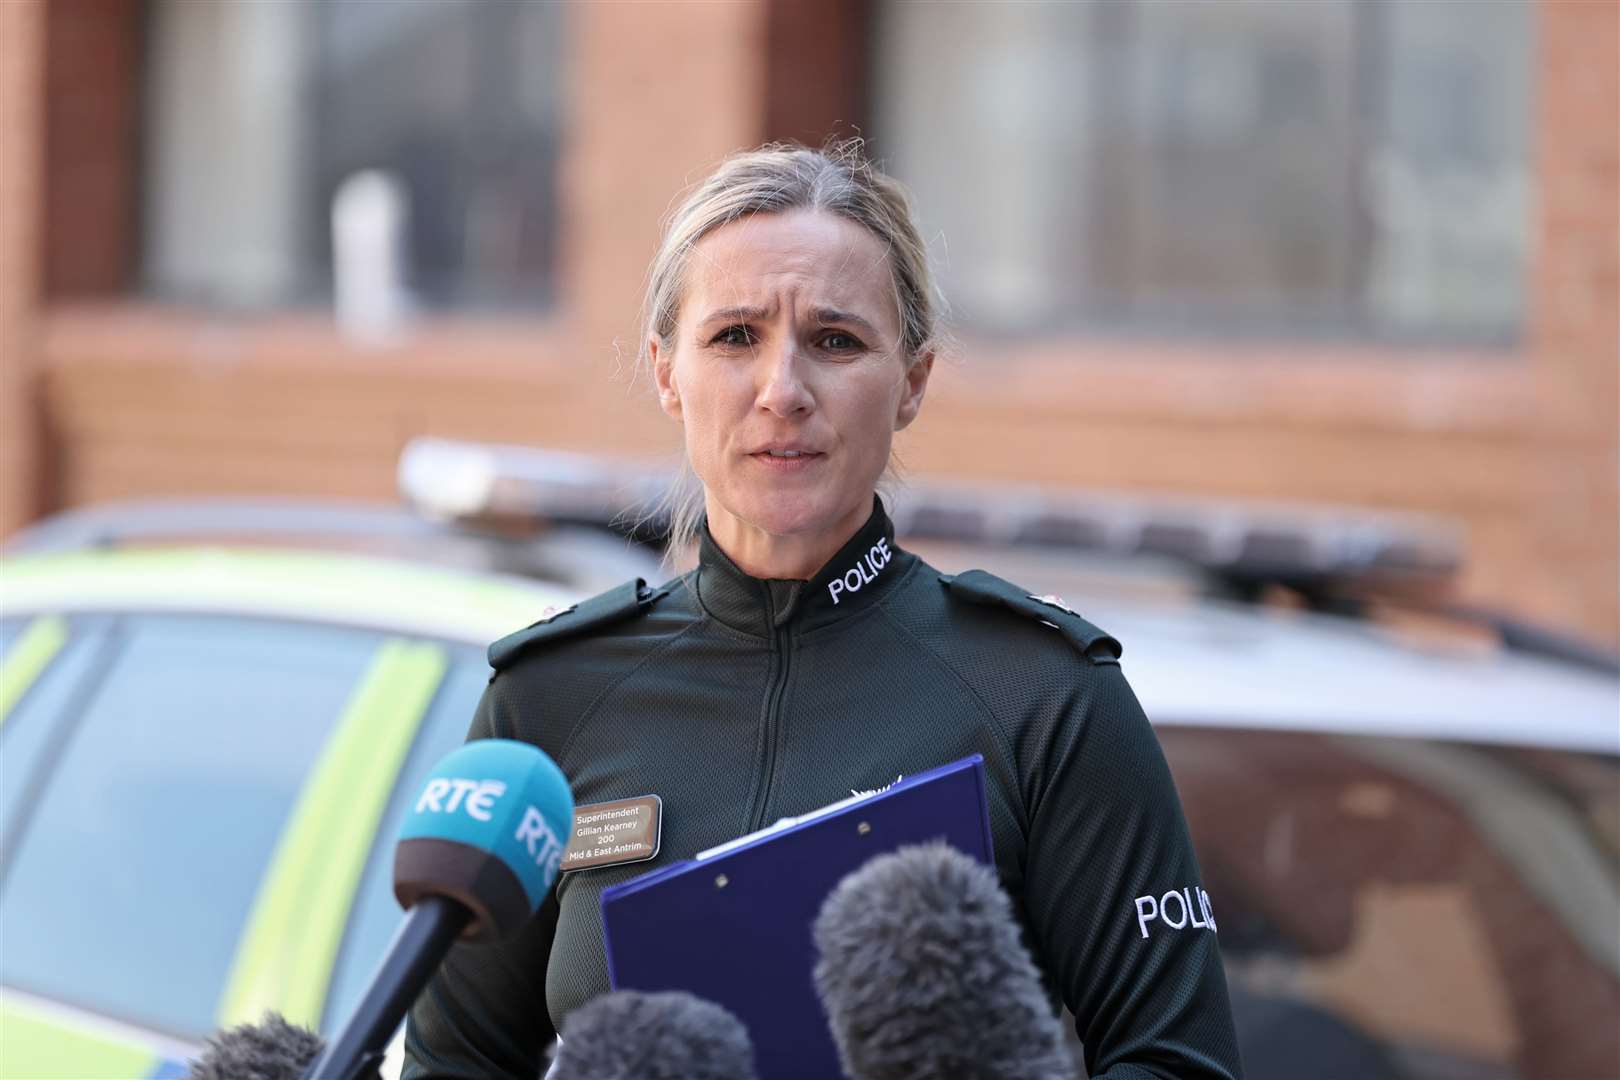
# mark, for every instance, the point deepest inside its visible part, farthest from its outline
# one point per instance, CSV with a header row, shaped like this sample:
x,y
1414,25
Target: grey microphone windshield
x,y
922,974
272,1049
629,1035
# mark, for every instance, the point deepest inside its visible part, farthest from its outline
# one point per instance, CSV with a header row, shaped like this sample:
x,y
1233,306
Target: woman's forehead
x,y
812,258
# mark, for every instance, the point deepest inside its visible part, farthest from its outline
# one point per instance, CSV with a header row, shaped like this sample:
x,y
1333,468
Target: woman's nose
x,y
782,388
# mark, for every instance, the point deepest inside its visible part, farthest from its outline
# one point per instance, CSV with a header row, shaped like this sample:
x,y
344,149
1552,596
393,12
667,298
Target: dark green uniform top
x,y
740,701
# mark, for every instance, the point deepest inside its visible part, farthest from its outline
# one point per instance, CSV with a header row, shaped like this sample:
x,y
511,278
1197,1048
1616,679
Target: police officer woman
x,y
791,330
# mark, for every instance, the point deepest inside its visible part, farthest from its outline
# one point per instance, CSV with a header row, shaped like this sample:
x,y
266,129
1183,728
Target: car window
x,y
137,870
1409,909
376,914
26,732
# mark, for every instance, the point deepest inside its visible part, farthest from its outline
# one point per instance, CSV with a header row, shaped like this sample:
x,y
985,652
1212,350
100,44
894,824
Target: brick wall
x,y
1573,508
1520,447
22,25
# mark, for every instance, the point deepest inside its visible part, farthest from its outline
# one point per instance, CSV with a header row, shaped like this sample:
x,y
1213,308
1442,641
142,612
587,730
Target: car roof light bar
x,y
1241,541
1244,543
449,480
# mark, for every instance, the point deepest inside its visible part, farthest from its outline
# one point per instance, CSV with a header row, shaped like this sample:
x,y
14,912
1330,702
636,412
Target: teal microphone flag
x,y
477,853
490,804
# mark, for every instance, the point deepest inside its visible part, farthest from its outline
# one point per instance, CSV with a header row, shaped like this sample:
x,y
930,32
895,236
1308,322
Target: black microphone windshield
x,y
629,1035
922,973
272,1049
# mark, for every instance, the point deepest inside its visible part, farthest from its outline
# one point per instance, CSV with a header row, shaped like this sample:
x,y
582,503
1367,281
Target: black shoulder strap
x,y
615,605
979,587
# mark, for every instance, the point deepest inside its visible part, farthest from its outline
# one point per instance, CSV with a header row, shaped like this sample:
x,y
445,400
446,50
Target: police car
x,y
211,715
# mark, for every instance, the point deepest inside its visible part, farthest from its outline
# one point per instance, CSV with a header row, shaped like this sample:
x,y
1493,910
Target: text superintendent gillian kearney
x,y
790,328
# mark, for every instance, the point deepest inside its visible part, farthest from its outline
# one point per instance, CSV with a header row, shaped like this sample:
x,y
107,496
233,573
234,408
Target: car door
x,y
1404,908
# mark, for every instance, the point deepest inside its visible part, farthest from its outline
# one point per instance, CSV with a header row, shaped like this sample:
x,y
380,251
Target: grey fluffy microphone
x,y
629,1035
272,1049
922,974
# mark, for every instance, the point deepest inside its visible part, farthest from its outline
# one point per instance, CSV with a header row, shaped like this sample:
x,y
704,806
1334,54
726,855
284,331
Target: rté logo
x,y
477,797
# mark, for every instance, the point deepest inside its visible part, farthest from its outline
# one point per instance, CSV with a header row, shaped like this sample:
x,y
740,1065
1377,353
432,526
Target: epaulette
x,y
604,609
979,587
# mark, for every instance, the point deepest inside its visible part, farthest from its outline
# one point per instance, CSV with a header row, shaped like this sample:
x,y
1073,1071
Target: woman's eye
x,y
733,335
838,341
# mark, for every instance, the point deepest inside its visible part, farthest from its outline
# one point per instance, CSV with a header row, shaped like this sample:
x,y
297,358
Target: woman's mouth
x,y
787,459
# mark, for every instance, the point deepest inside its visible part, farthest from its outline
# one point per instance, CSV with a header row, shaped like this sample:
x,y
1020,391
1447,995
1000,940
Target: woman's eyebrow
x,y
735,314
831,316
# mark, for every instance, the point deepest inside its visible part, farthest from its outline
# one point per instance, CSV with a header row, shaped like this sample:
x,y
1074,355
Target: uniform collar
x,y
864,569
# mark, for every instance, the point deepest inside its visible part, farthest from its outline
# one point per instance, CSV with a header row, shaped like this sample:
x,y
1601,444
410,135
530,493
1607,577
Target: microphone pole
x,y
421,942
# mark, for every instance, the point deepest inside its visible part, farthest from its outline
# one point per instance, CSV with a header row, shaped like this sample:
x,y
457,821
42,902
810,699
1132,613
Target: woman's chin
x,y
786,516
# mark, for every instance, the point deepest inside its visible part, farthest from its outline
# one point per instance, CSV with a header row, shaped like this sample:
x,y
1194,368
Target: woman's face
x,y
787,372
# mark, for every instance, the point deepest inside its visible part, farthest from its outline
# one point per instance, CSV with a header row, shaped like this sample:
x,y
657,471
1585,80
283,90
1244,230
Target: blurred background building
x,y
1336,252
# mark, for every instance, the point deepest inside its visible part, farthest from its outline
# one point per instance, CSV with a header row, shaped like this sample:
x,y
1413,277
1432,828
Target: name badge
x,y
610,833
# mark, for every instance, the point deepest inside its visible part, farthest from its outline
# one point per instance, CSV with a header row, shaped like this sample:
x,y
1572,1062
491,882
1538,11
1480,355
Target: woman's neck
x,y
772,556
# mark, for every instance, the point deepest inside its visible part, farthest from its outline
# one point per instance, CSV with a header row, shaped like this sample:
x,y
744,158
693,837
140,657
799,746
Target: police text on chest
x,y
864,572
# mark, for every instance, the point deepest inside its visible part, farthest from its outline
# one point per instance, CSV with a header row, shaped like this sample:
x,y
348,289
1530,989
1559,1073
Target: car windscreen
x,y
43,687
137,866
1406,908
10,630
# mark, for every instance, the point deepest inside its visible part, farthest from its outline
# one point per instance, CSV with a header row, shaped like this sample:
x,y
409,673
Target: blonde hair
x,y
775,179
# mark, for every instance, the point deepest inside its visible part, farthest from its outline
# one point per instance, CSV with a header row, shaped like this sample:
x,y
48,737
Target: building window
x,y
258,110
1334,168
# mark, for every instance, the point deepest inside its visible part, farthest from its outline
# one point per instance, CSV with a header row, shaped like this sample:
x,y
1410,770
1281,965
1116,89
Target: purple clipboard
x,y
733,926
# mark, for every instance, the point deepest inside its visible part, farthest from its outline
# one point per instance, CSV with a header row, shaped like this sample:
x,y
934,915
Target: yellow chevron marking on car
x,y
285,957
27,657
37,1046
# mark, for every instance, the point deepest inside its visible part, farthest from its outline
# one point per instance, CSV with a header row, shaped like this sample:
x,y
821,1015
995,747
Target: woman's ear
x,y
913,389
669,394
